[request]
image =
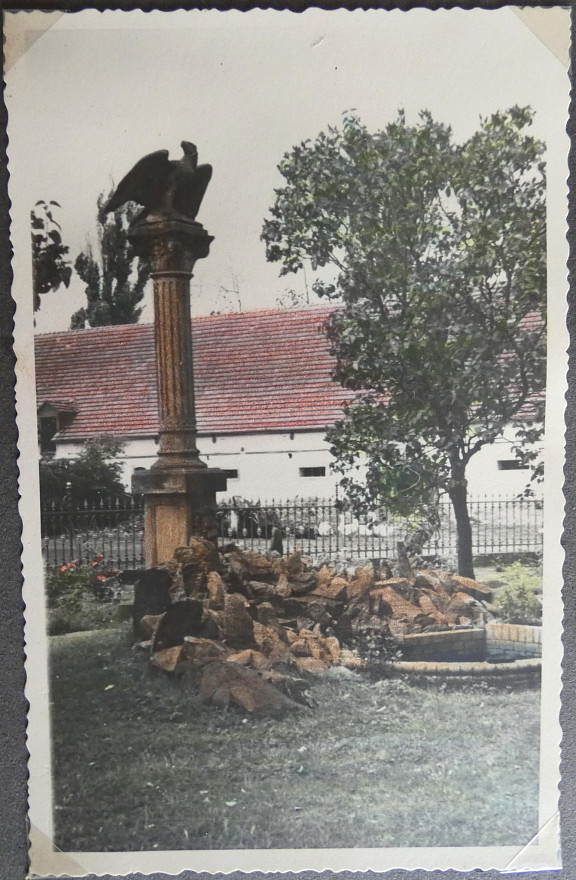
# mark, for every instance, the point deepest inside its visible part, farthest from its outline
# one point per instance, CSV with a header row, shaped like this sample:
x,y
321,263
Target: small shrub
x,y
517,601
81,597
94,474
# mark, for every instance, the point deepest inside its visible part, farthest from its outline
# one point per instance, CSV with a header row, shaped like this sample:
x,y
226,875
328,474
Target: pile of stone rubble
x,y
246,626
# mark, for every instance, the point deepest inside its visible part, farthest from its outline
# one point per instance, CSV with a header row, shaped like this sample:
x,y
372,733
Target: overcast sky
x,y
100,90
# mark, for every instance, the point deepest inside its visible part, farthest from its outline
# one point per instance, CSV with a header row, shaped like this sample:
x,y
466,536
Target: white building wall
x,y
486,474
270,465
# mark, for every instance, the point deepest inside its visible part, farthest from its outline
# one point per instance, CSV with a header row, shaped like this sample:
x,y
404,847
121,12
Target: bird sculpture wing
x,y
191,189
145,184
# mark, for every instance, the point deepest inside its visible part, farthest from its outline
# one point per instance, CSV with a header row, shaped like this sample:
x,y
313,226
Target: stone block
x,y
180,620
176,501
151,594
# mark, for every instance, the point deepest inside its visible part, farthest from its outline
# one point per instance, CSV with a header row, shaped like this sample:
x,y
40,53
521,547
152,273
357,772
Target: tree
x,y
115,280
50,269
94,474
438,252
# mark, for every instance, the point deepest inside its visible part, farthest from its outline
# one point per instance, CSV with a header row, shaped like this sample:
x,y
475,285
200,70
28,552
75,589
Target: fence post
x,y
337,517
70,519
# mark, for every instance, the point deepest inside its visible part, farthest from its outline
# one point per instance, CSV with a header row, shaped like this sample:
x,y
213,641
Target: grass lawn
x,y
140,764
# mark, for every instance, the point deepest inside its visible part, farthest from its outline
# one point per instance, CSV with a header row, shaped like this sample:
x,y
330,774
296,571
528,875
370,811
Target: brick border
x,y
530,666
513,640
446,646
493,642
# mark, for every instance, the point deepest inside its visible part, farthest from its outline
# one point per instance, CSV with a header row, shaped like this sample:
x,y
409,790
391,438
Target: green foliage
x,y
50,269
437,251
92,475
115,280
517,601
81,597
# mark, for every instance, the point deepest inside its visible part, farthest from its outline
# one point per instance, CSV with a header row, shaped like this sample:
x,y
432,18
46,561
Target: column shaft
x,y
175,368
179,489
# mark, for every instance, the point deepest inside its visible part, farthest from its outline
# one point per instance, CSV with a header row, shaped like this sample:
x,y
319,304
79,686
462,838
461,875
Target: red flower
x,y
67,566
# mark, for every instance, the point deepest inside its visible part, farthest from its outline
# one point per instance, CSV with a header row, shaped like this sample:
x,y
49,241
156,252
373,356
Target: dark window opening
x,y
47,430
511,464
231,473
313,472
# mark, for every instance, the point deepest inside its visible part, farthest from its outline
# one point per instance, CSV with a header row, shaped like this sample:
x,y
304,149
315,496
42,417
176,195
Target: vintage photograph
x,y
290,329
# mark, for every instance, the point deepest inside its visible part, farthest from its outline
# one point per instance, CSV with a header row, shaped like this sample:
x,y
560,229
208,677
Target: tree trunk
x,y
458,493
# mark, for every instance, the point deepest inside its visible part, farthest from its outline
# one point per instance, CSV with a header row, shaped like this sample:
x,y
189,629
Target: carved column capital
x,y
171,242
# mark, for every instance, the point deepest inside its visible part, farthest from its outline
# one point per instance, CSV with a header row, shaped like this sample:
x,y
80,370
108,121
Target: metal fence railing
x,y
318,527
79,531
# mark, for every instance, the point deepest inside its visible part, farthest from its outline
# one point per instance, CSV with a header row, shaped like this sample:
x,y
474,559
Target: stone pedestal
x,y
178,504
179,490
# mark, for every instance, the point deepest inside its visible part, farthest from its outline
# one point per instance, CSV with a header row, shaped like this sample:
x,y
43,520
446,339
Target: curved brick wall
x,y
513,640
495,641
497,650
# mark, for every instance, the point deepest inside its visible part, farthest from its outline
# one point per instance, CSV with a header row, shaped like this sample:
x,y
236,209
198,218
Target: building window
x,y
48,430
231,473
313,472
511,464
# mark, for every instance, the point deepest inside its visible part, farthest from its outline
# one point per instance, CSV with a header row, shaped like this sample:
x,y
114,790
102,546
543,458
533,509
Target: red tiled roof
x,y
254,371
532,321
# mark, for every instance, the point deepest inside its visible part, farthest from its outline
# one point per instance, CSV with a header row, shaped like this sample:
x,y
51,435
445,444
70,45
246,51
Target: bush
x,y
81,597
94,474
517,601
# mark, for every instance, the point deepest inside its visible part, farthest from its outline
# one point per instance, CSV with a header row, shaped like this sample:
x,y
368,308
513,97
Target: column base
x,y
178,503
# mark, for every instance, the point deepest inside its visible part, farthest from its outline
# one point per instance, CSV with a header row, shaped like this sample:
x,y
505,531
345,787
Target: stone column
x,y
179,490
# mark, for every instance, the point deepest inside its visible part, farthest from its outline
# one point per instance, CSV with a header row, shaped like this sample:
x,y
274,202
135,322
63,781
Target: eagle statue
x,y
164,186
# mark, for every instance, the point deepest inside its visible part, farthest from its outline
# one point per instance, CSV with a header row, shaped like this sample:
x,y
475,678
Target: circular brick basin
x,y
500,652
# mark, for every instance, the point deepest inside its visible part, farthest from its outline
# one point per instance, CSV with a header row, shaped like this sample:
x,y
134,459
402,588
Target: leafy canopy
x,y
50,268
437,252
116,279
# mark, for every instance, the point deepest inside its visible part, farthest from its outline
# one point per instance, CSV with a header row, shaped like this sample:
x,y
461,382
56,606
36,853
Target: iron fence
x,y
319,527
325,527
78,531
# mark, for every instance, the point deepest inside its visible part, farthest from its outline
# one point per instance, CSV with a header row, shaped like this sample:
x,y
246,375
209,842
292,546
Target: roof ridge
x,y
139,327
107,328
